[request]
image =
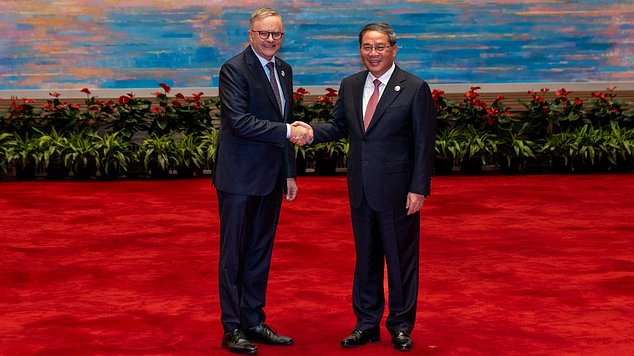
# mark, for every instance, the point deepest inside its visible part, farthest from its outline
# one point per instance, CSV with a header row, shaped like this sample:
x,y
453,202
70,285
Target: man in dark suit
x,y
388,114
254,166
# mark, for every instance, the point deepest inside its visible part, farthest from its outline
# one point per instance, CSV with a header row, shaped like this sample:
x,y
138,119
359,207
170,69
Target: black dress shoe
x,y
264,334
236,342
402,341
359,337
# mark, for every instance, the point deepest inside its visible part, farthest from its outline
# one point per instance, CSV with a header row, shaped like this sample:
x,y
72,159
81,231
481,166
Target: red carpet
x,y
511,265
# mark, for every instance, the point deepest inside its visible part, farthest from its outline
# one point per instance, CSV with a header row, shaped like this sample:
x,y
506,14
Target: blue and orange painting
x,y
138,43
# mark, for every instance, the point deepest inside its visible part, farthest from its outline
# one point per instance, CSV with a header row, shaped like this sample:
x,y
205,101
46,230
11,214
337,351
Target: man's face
x,y
269,46
376,53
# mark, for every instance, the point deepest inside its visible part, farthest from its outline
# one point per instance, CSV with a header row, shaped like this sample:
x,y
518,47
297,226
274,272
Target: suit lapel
x,y
283,72
357,92
390,93
261,79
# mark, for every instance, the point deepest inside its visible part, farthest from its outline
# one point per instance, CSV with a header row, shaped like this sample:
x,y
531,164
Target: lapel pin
x,y
397,88
283,73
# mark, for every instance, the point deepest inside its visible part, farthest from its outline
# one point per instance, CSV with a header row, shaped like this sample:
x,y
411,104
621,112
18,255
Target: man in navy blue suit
x,y
388,114
254,167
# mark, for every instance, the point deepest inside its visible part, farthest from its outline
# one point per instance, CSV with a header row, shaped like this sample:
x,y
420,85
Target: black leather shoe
x,y
402,341
236,342
264,334
359,337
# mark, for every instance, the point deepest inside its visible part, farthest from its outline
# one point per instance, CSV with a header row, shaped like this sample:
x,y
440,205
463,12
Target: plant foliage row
x,y
130,136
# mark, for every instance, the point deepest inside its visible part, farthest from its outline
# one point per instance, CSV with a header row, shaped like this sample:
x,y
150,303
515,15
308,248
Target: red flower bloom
x,y
578,102
155,109
331,92
85,90
124,99
75,106
180,96
176,103
54,94
165,87
197,96
562,92
324,99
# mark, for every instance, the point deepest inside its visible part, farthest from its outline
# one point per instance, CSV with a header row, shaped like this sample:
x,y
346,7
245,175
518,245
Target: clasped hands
x,y
301,133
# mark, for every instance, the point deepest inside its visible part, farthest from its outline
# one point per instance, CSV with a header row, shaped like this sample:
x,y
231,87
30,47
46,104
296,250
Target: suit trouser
x,y
385,237
247,230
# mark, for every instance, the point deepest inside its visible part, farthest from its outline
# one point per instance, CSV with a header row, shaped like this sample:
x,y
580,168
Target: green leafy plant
x,y
159,155
189,154
81,154
114,152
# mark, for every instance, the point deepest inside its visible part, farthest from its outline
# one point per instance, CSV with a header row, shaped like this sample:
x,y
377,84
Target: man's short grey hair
x,y
263,13
381,27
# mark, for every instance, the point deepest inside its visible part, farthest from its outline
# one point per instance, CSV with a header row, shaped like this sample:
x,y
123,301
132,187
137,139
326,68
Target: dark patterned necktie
x,y
276,90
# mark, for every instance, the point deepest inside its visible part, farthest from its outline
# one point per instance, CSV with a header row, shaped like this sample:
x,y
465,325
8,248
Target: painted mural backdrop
x,y
138,43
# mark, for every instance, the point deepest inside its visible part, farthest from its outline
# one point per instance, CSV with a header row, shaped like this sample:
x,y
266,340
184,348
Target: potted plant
x,y
475,148
619,143
188,155
209,146
52,146
446,148
23,153
114,152
327,155
514,149
159,155
4,147
81,156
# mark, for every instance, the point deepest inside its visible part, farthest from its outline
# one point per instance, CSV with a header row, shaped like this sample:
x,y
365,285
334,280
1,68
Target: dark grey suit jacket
x,y
395,155
253,153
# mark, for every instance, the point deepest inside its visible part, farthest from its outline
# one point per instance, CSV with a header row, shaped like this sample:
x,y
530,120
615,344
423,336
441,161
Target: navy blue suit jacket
x,y
395,155
253,153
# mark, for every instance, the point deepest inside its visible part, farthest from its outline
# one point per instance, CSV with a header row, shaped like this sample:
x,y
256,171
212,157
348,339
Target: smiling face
x,y
376,52
268,47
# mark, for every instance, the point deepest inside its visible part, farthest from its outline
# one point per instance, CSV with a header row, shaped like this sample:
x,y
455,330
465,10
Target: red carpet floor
x,y
510,265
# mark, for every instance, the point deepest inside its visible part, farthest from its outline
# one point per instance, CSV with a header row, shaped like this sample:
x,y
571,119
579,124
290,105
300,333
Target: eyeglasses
x,y
265,34
378,49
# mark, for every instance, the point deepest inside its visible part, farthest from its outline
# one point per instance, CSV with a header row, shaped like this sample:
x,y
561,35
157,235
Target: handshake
x,y
301,133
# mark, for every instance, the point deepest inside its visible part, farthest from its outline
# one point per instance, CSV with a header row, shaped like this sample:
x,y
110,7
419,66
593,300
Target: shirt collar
x,y
263,60
384,78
